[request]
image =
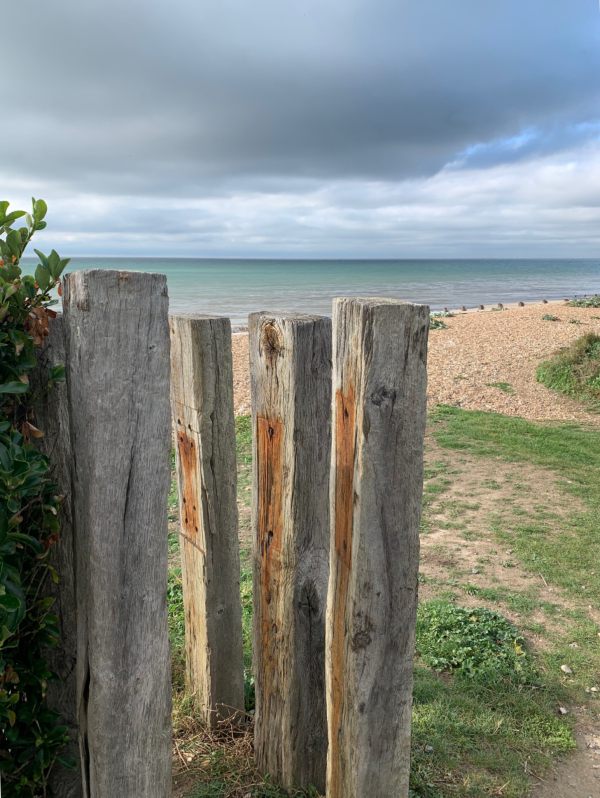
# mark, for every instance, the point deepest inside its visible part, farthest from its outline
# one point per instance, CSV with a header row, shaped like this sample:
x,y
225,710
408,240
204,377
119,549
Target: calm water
x,y
235,288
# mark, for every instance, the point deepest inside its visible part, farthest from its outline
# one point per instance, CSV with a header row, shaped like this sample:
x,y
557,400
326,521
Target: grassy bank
x,y
510,517
575,370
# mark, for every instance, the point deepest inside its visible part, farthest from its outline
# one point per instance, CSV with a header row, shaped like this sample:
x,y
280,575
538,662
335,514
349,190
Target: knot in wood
x,y
271,340
384,397
309,603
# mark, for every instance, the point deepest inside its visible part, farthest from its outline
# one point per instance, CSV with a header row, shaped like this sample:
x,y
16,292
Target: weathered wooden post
x,y
290,359
379,382
52,416
117,346
203,420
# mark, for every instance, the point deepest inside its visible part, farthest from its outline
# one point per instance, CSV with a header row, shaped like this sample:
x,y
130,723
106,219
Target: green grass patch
x,y
519,602
243,433
246,594
506,387
475,739
575,370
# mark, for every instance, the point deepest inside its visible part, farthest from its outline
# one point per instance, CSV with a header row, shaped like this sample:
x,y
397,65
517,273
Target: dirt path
x,y
577,776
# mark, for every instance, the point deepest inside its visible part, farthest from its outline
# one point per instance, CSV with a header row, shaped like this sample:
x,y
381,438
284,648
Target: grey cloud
x,y
198,98
342,128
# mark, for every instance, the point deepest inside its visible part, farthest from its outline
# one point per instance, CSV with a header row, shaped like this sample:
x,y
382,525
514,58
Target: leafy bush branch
x,y
31,735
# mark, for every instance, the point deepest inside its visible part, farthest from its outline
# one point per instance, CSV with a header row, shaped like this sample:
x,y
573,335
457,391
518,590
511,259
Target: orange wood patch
x,y
345,445
188,462
270,531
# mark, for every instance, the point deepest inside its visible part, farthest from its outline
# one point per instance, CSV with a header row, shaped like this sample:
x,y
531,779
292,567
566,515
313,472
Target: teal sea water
x,y
235,288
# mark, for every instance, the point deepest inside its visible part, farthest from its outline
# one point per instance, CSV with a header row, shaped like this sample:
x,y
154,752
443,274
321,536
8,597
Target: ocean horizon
x,y
236,287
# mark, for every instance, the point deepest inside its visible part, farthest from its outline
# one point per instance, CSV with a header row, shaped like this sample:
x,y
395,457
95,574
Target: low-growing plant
x,y
586,302
472,643
574,370
436,322
549,317
31,735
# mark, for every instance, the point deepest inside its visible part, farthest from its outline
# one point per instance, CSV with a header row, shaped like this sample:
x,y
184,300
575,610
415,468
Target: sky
x,y
313,128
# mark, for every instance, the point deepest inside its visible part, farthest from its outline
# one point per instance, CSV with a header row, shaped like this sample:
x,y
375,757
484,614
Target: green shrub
x,y
31,735
574,370
472,643
549,317
586,302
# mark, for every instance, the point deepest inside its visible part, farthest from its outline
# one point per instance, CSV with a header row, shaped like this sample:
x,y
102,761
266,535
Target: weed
x,y
549,317
472,643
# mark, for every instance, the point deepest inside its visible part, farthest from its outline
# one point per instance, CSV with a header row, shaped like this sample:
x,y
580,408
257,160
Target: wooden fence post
x,y
379,383
52,417
117,346
290,359
203,420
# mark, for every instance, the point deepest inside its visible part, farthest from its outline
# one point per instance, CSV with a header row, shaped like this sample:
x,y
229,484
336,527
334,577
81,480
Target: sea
x,y
236,287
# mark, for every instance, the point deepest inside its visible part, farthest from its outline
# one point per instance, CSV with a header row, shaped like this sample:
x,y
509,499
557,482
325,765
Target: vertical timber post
x,y
290,367
203,421
379,404
117,357
52,416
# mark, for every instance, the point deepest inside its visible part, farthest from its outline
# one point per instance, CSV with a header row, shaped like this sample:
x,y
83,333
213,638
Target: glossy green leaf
x,y
40,209
14,387
43,277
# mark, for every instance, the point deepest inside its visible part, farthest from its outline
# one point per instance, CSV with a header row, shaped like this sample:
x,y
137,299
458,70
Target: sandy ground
x,y
478,349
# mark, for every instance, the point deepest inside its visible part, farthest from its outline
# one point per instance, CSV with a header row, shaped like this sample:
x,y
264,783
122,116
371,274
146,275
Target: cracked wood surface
x,y
52,417
117,358
379,385
290,358
203,421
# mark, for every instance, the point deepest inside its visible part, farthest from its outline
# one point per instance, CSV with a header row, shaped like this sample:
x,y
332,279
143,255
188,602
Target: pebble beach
x,y
485,360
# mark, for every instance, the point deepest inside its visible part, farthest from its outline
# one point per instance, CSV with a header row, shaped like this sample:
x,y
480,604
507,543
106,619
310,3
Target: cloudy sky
x,y
343,128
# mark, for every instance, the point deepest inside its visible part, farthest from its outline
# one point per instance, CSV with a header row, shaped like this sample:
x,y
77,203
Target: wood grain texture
x,y
52,417
203,420
379,384
290,359
117,357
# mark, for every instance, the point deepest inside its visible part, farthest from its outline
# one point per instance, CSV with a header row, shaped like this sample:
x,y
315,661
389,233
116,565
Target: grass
x,y
481,735
575,370
561,550
472,739
568,556
506,387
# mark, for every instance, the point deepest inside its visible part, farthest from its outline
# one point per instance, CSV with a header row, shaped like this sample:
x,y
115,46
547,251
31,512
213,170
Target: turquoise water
x,y
235,288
